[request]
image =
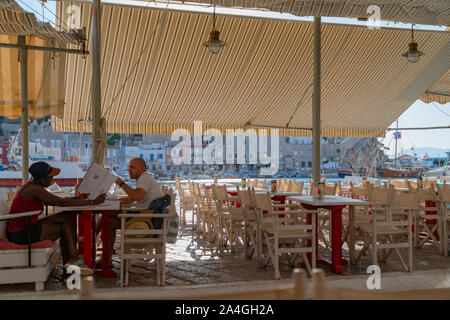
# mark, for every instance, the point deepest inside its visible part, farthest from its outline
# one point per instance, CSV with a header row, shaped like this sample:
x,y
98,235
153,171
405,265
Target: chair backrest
x,y
360,192
245,198
443,192
378,195
329,189
261,184
220,193
425,194
403,199
263,201
399,183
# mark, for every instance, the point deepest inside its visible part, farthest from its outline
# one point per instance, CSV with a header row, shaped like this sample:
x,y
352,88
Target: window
x,y
52,143
151,157
309,164
160,156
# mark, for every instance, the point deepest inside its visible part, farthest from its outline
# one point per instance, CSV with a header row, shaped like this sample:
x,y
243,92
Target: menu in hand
x,y
97,180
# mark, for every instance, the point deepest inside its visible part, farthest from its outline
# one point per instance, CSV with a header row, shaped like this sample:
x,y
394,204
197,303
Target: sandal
x,y
84,270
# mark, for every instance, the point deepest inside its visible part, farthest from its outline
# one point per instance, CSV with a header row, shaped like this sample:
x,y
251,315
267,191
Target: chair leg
x,y
122,266
39,285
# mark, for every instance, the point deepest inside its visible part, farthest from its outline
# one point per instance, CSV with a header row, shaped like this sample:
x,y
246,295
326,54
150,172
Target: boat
x,y
11,175
70,175
396,173
438,172
342,173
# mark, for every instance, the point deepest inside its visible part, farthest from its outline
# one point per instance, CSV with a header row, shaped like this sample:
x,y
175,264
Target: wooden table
x,y
335,204
86,223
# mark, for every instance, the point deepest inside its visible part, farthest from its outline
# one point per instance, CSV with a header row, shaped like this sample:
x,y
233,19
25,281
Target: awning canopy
x,y
439,91
429,12
157,76
46,74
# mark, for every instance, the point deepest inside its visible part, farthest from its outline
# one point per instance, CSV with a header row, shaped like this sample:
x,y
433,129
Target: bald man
x,y
147,188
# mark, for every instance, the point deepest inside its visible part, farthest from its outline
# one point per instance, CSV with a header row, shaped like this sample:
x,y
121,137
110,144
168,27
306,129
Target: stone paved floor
x,y
192,261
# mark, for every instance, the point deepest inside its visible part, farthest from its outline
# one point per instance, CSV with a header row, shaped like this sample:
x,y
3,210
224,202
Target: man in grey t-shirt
x,y
147,189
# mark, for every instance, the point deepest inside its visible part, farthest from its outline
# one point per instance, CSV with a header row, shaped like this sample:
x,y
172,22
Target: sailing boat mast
x,y
395,159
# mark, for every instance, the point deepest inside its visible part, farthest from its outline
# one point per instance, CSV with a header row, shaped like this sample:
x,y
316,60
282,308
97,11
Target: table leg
x,y
336,240
350,228
80,233
106,271
87,243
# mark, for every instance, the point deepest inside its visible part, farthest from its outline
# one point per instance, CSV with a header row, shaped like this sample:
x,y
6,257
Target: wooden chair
x,y
322,291
25,263
250,223
230,217
143,243
361,213
261,184
391,223
186,201
293,291
286,234
444,205
210,212
427,212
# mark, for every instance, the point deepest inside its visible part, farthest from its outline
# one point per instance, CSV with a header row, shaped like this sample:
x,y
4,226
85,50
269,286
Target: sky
x,y
419,114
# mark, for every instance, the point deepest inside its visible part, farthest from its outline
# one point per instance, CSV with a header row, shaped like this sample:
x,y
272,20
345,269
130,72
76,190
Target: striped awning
x,y
429,12
46,70
157,76
15,21
439,91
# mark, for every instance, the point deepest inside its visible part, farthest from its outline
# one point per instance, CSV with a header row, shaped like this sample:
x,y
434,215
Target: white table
x,y
335,204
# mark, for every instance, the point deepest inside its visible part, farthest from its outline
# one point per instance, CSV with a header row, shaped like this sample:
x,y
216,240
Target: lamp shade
x,y
214,43
413,55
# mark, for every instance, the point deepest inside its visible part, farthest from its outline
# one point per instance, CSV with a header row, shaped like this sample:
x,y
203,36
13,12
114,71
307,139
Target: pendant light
x,y
214,43
413,55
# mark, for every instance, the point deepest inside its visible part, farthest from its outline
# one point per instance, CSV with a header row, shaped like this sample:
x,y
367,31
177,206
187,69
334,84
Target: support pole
x,y
23,57
96,93
316,102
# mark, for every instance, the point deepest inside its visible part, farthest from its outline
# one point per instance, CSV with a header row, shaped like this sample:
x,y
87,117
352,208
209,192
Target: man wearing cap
x,y
32,196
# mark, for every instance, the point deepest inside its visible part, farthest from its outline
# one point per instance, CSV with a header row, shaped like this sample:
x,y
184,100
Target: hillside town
x,y
338,155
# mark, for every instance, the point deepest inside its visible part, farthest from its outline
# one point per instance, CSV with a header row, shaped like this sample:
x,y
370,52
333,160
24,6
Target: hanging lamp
x,y
214,43
413,55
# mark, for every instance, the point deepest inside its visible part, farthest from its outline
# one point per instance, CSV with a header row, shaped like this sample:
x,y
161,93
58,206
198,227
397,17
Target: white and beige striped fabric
x,y
163,79
46,70
431,12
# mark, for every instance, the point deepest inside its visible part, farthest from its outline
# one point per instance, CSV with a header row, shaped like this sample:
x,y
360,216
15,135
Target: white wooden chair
x,y
230,217
250,223
210,212
186,202
391,223
424,214
286,234
144,243
444,205
25,263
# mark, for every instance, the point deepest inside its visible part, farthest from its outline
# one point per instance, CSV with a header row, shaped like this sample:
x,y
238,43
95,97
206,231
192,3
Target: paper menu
x,y
96,181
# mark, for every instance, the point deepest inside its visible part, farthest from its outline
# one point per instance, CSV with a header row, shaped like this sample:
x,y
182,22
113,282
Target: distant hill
x,y
431,152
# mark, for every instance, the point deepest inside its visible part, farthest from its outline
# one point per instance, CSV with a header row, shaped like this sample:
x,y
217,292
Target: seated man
x,y
147,189
32,196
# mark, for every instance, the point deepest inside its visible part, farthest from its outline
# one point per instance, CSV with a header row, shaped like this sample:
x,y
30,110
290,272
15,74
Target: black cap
x,y
42,169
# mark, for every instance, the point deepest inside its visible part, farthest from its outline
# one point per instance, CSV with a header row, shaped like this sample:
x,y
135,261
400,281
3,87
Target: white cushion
x,y
4,209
